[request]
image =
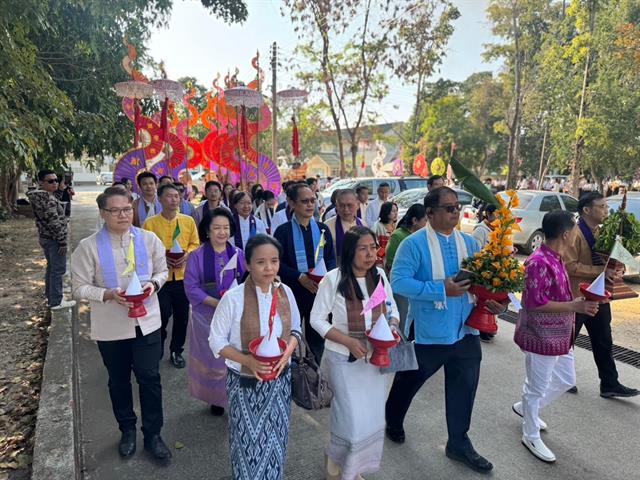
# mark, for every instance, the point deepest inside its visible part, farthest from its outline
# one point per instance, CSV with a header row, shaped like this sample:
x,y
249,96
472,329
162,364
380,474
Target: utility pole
x,y
274,108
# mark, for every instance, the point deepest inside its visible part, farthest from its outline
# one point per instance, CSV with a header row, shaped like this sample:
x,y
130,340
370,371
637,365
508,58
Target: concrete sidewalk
x,y
593,438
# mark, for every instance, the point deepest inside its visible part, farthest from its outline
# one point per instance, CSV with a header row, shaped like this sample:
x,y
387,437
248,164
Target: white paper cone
x,y
269,346
176,248
320,269
134,287
231,265
381,330
597,286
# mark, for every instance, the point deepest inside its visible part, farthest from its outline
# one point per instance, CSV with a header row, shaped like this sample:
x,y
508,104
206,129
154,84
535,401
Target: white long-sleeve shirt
x,y
373,211
225,326
245,230
329,300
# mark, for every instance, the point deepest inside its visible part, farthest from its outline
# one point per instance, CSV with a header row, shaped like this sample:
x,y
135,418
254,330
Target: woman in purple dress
x,y
211,270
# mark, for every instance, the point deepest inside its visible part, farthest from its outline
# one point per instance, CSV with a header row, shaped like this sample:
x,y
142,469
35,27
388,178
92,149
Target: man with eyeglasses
x,y
52,235
346,208
301,239
584,265
102,267
424,271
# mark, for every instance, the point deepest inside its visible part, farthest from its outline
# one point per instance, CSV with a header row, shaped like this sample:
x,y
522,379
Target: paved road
x,y
593,438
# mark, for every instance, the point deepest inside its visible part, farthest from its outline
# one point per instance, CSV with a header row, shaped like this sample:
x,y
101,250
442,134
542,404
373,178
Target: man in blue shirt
x,y
423,271
300,239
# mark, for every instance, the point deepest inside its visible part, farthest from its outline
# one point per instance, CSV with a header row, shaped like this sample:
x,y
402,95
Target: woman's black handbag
x,y
309,389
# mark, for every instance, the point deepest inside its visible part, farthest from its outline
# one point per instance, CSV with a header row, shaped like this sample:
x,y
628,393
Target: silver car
x,y
416,195
534,204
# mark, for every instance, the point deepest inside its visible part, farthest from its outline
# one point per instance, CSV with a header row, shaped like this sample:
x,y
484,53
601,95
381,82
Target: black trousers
x,y
140,354
173,301
313,338
461,363
599,330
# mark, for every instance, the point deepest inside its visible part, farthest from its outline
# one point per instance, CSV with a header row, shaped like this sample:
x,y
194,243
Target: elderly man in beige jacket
x,y
102,266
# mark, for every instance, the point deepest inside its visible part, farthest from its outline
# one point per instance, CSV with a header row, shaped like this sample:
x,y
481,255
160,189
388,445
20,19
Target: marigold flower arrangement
x,y
495,267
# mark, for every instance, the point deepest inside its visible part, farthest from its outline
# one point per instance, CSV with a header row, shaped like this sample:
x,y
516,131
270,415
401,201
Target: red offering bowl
x,y
380,356
138,309
481,318
315,278
175,256
253,348
592,297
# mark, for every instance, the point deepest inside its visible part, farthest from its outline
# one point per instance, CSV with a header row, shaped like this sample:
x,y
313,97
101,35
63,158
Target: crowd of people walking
x,y
245,264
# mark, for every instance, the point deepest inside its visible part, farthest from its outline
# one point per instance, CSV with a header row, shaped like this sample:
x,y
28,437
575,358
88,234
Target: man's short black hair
x,y
555,223
294,190
382,185
164,188
166,176
587,200
212,183
146,174
433,179
359,188
433,197
112,191
43,173
268,195
311,180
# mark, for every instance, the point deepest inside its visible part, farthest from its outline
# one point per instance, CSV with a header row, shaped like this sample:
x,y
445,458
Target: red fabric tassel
x,y
163,120
136,120
363,165
295,139
244,130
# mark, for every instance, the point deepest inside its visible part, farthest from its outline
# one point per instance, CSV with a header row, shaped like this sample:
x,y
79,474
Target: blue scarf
x,y
298,243
237,238
142,208
108,264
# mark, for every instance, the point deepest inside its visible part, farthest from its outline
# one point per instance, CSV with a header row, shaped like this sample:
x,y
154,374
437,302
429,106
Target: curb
x,y
57,453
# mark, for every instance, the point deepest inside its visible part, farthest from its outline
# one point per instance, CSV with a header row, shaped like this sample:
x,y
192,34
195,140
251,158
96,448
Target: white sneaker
x,y
539,449
64,304
517,408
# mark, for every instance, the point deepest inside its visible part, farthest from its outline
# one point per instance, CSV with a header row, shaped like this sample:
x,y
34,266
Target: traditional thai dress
x,y
203,277
360,390
259,412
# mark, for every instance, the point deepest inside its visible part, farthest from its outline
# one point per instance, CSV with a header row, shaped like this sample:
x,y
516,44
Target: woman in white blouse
x,y
358,406
258,411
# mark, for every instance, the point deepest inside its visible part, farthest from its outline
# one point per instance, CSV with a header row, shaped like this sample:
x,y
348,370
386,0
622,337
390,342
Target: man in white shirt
x,y
362,193
213,192
101,269
147,205
373,210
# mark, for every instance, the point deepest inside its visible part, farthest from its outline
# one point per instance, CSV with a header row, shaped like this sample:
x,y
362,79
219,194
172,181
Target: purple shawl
x,y
596,259
237,238
142,208
340,234
108,264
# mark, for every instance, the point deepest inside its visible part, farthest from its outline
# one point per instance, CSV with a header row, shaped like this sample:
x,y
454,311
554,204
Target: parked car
x,y
416,195
533,206
104,178
397,184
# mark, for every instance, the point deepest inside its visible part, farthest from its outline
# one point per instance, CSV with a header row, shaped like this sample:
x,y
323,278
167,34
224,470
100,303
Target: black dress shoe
x,y
156,447
127,445
618,391
471,459
177,360
217,411
396,435
573,389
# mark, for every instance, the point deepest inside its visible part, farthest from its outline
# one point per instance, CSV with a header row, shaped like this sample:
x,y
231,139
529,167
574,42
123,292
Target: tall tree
x,y
60,59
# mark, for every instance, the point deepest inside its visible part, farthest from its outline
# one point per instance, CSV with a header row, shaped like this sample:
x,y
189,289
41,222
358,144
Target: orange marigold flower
x,y
496,282
486,275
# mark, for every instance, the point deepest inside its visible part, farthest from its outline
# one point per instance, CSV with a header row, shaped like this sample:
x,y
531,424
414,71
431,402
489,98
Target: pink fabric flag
x,y
378,296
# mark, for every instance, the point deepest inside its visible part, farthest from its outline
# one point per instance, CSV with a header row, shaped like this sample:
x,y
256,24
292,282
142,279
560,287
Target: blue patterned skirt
x,y
259,414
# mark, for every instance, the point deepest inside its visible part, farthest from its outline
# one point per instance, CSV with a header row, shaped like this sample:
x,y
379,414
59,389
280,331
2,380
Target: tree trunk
x,y
416,117
514,125
9,182
577,151
543,167
354,157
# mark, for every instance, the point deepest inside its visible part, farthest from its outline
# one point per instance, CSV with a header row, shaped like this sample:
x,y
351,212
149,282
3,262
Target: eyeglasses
x,y
450,208
52,181
116,212
306,201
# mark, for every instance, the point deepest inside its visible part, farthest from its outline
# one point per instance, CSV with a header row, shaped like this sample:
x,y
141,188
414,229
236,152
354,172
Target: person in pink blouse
x,y
544,330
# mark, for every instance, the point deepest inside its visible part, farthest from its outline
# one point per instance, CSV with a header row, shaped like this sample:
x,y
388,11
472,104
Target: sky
x,y
197,44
